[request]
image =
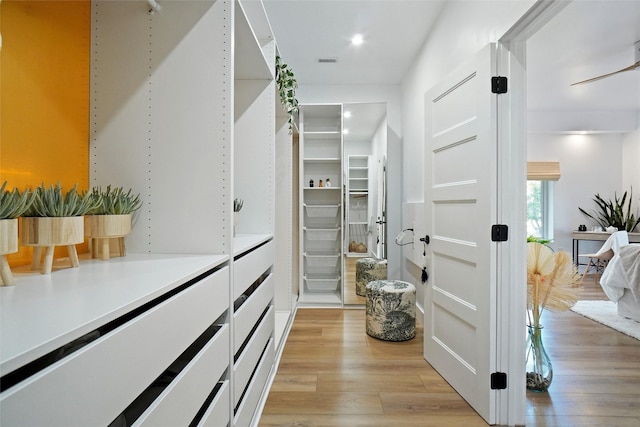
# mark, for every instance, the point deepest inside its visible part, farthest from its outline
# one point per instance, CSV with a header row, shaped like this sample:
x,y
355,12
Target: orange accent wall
x,y
44,96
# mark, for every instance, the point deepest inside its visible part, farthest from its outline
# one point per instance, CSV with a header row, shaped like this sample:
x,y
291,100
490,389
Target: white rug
x,y
606,312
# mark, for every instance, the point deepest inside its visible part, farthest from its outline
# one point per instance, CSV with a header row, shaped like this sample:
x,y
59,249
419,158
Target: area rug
x,y
606,312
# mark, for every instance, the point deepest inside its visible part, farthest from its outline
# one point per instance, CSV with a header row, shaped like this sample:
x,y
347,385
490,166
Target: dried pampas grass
x,y
552,281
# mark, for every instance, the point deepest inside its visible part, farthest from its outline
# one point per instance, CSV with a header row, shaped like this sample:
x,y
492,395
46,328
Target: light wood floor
x,y
350,296
333,374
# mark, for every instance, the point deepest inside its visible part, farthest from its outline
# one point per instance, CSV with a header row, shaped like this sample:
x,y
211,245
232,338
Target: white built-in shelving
x,y
183,112
357,223
321,214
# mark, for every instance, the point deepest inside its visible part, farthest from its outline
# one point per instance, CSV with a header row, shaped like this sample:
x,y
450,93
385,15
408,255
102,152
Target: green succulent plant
x,y
287,86
613,213
114,201
237,204
53,202
14,203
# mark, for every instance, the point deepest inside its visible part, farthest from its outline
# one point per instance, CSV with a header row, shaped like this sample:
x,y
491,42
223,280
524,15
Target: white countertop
x,y
43,312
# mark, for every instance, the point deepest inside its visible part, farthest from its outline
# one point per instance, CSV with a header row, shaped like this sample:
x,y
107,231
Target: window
x,y
540,209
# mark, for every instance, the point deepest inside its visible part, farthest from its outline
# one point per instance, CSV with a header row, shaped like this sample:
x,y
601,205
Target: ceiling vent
x,y
327,60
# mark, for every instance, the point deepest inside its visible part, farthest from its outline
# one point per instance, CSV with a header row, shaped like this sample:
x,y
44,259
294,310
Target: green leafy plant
x,y
14,203
114,201
53,202
237,204
538,240
287,86
614,213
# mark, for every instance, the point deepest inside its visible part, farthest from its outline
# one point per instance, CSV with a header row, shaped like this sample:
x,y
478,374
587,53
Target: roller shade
x,y
543,171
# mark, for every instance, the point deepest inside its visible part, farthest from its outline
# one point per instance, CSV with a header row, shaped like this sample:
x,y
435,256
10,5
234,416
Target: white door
x,y
460,208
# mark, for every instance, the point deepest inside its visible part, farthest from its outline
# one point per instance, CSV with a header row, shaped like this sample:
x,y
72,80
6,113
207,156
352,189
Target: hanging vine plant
x,y
287,86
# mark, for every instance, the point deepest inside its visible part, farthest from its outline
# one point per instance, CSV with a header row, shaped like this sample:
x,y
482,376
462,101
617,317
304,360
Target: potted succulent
x,y
12,205
237,206
110,220
55,218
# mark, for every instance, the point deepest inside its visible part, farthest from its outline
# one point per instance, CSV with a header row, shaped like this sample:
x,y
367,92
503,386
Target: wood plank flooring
x,y
350,296
333,374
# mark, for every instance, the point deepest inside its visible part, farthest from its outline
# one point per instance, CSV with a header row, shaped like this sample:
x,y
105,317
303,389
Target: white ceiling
x,y
393,31
588,38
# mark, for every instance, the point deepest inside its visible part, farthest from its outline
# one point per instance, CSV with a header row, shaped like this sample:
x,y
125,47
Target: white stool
x,y
391,310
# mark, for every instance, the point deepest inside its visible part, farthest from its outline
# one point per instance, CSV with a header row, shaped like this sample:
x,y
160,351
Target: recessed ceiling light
x,y
357,40
345,131
347,114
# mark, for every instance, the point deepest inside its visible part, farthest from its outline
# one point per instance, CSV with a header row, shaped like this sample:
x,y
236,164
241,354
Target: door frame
x,y
512,160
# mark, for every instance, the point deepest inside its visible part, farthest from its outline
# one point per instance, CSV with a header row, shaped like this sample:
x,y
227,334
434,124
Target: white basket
x,y
320,259
322,284
322,233
317,211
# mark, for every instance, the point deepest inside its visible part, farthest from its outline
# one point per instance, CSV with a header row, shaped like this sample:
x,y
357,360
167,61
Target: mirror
x,y
364,154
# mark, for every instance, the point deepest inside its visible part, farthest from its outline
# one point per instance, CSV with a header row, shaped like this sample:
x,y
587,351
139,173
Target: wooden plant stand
x,y
49,232
103,230
8,245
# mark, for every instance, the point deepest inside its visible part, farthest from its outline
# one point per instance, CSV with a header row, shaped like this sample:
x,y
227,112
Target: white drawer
x,y
251,266
181,400
250,402
119,365
247,362
248,314
218,413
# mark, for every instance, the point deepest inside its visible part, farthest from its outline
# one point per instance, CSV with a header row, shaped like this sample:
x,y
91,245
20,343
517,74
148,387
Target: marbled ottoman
x,y
391,310
368,269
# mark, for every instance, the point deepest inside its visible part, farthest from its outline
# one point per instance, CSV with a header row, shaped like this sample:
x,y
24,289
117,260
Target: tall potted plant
x,y
614,213
110,220
55,218
12,205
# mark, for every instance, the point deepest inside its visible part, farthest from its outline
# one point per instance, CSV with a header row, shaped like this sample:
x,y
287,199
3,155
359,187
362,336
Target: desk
x,y
595,235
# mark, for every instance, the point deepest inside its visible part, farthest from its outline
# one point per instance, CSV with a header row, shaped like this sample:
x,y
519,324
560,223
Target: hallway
x,y
333,374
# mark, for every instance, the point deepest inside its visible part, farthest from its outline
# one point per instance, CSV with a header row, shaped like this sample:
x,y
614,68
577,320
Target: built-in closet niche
x,y
365,151
160,121
254,121
321,210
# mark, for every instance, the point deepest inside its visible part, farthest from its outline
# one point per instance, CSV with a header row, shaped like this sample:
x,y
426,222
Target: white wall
x,y
631,165
589,164
463,28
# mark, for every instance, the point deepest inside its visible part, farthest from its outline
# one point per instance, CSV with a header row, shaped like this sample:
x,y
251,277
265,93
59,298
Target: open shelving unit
x,y
182,111
321,214
357,236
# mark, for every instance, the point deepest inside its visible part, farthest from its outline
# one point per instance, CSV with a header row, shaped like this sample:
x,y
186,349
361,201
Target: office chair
x,y
600,259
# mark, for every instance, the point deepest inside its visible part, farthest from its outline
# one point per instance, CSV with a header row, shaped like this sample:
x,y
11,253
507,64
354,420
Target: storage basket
x,y
322,284
321,233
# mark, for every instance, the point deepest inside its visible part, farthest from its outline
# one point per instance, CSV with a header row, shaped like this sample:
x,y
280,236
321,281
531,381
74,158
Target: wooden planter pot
x,y
8,245
105,232
49,232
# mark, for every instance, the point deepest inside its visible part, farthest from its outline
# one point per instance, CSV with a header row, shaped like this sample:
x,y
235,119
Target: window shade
x,y
543,171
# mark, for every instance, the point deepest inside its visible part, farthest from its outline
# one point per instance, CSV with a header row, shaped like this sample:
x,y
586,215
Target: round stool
x,y
391,310
368,269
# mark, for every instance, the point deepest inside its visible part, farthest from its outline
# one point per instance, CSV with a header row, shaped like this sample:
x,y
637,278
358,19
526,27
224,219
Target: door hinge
x,y
498,84
499,233
498,381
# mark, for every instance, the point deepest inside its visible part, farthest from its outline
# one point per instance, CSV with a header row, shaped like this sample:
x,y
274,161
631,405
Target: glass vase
x,y
539,369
